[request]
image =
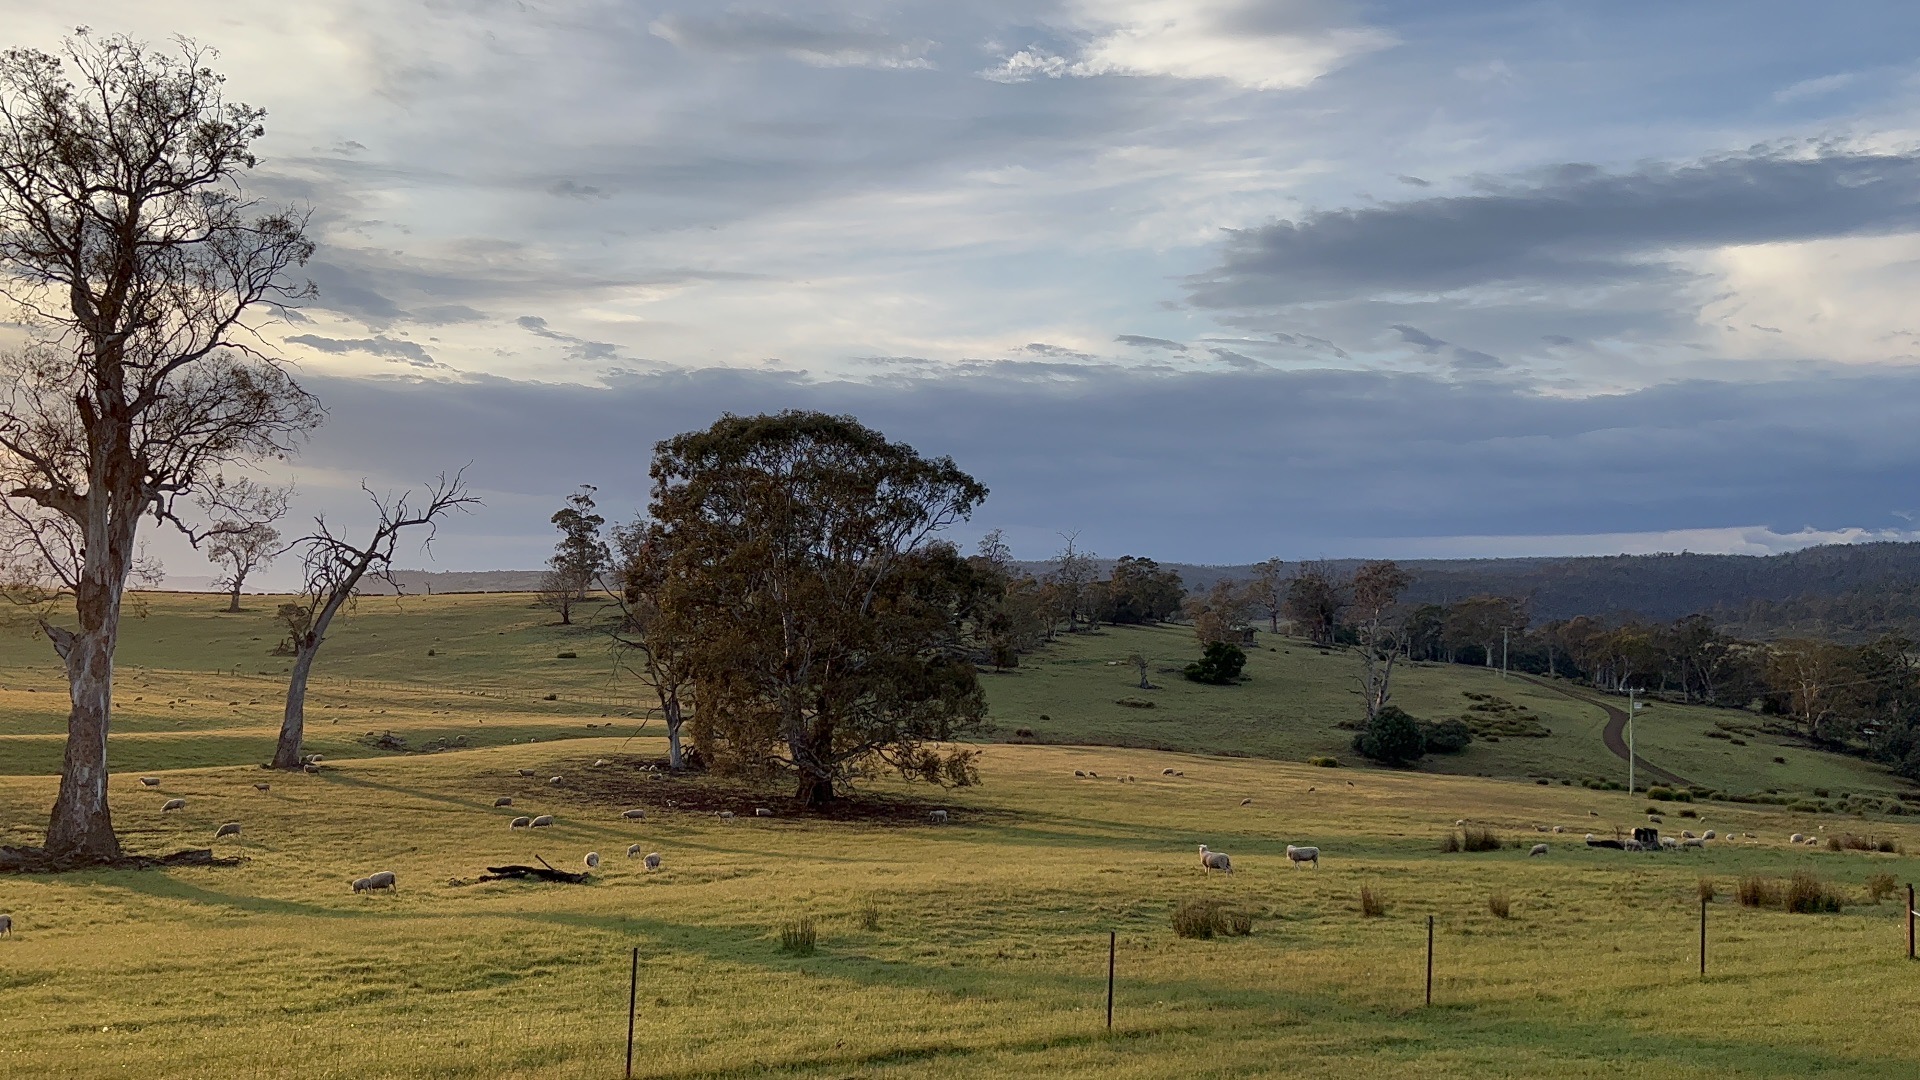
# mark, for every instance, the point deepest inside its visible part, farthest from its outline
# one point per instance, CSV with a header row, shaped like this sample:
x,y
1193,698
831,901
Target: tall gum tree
x,y
139,268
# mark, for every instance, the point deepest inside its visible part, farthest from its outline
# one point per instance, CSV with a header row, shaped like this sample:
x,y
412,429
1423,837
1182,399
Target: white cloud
x,y
1736,540
1809,88
1255,44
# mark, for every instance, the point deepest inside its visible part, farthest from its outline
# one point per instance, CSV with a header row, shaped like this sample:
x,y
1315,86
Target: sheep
x,y
633,849
597,762
1797,838
149,781
1300,855
1708,835
1246,802
525,772
937,817
1539,828
520,823
652,860
1694,842
542,821
173,804
593,860
1166,772
725,815
263,788
6,926
503,801
1668,843
1215,860
1460,823
555,781
385,879
1538,849
1686,834
761,811
1081,773
1655,820
231,828
634,814
1559,828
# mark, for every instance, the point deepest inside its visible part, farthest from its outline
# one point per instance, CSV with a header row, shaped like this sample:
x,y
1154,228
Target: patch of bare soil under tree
x,y
626,782
38,861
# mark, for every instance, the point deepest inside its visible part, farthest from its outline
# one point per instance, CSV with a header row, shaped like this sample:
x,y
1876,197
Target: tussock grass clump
x,y
1808,895
1500,905
1324,762
1475,839
1850,842
869,914
1758,892
1880,886
797,936
1372,904
1208,919
1707,889
1450,843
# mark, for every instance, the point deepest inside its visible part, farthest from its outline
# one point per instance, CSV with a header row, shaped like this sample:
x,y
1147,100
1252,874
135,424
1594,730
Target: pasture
x,y
972,948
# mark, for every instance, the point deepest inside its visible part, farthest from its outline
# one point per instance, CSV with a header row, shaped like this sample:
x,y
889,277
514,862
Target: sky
x,y
1208,281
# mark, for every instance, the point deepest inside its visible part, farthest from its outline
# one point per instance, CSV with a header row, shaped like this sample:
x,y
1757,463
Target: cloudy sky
x,y
1208,280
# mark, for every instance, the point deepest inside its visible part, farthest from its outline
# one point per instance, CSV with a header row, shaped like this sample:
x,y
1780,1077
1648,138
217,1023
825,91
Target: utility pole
x,y
1503,652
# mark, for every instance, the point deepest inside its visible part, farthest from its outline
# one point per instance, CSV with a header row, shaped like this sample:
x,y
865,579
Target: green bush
x,y
1324,762
797,936
1219,665
1447,736
1392,738
1663,794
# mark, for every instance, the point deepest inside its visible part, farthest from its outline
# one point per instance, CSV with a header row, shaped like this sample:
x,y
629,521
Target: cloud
x,y
577,348
1041,348
1819,87
743,33
1572,226
1141,341
396,351
1253,44
1418,338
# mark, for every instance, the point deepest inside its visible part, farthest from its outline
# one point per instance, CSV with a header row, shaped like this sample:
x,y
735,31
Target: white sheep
x,y
1081,773
597,762
1246,802
1300,855
761,811
634,815
385,879
526,772
503,801
593,860
555,781
633,849
725,815
1669,843
6,926
1694,842
1797,838
174,804
231,828
1166,772
542,821
1708,835
652,860
1538,849
937,817
1686,834
1215,860
520,823
1559,828
149,781
1460,823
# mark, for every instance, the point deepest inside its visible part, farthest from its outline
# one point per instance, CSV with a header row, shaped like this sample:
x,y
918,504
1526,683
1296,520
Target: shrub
x,y
1023,733
1324,762
1880,886
1808,895
1447,736
1135,703
1690,813
1476,839
1372,904
1707,889
797,936
1391,738
1499,905
1822,793
870,914
1738,742
1778,760
1805,807
1683,795
1219,665
1757,892
1659,793
568,655
1210,918
1450,843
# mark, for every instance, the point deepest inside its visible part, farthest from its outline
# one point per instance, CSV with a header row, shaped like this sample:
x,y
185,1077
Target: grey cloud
x,y
1470,360
747,33
1414,181
1819,449
1141,341
1557,339
1418,338
1041,348
1234,359
407,352
534,324
569,189
1572,225
577,348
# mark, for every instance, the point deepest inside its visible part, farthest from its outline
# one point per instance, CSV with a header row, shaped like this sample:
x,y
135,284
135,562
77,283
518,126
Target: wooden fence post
x,y
1113,937
1429,959
633,996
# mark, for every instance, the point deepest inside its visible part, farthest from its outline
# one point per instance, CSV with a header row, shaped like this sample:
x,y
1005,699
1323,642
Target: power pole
x,y
1503,652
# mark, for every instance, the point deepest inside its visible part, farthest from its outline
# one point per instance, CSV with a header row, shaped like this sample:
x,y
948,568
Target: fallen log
x,y
543,872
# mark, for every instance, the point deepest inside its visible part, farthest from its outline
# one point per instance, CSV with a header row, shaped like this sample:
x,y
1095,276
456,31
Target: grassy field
x,y
973,948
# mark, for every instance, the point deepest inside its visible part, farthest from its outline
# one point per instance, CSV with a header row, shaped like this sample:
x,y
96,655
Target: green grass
x,y
968,949
1296,694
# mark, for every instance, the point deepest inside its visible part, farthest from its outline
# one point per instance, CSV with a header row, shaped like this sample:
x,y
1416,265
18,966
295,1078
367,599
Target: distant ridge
x,y
459,581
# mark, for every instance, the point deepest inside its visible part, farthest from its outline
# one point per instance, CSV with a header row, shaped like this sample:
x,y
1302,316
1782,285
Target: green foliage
x,y
797,936
1500,905
1391,738
1324,762
1446,736
1220,665
1881,885
1806,894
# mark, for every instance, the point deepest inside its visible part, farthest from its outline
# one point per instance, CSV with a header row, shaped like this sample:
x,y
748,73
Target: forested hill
x,y
1843,590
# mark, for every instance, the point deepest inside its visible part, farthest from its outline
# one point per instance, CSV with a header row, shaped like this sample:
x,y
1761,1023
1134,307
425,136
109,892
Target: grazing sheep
x,y
149,781
525,772
503,801
725,815
520,823
1298,855
1708,835
1177,772
1539,828
1668,843
1655,819
1593,813
383,880
310,769
761,811
542,821
1686,834
634,815
1166,772
938,817
1093,775
1797,838
593,860
1215,860
652,860
1626,845
173,804
597,762
1460,823
1081,773
1559,828
555,781
1246,802
1694,842
231,828
6,926
1538,849
632,850
263,787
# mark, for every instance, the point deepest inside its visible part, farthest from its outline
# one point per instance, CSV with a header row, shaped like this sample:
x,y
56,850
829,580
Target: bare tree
x,y
646,645
245,546
1375,589
1267,594
1073,579
333,569
135,262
